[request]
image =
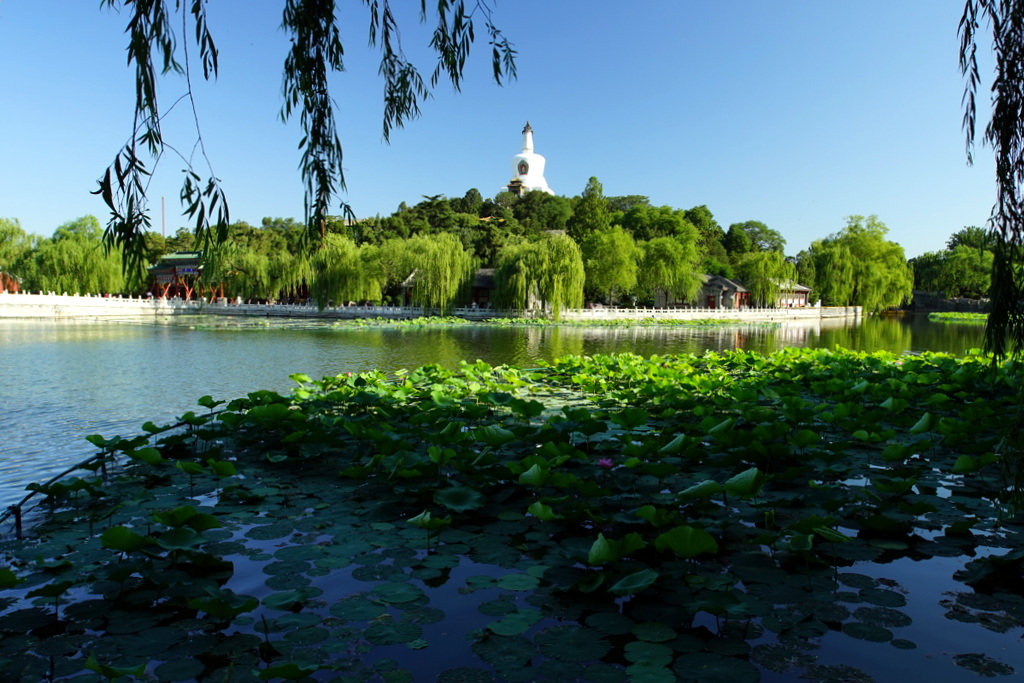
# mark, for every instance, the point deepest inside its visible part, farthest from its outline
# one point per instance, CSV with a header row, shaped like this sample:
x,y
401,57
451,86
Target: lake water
x,y
64,380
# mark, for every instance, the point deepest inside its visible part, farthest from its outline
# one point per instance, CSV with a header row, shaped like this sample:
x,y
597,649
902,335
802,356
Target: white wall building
x,y
528,168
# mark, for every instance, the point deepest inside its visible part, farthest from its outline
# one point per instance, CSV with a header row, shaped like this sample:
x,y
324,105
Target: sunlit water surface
x,y
64,380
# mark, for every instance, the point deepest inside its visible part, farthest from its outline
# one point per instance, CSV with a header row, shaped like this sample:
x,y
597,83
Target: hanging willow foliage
x,y
338,274
1005,134
669,265
548,272
166,38
75,260
441,268
763,273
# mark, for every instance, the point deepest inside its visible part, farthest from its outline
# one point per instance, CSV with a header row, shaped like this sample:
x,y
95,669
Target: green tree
x,y
713,254
669,265
610,262
806,272
626,203
589,212
753,236
646,222
970,236
859,267
471,202
441,269
959,271
737,242
764,273
340,274
15,244
156,47
75,260
537,211
181,240
969,272
548,271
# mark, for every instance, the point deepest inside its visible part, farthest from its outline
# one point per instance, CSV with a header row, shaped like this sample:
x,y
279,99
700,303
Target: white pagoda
x,y
528,167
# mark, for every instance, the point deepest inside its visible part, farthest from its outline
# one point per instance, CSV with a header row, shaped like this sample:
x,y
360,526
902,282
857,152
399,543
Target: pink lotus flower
x,y
607,463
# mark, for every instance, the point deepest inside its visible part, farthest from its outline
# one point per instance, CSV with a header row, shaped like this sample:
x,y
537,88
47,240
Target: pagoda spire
x,y
528,138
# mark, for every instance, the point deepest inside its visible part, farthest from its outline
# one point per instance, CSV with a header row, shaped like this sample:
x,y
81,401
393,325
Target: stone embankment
x,y
927,302
56,306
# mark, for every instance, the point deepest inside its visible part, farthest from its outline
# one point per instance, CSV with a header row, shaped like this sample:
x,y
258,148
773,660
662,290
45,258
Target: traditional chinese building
x,y
176,275
9,283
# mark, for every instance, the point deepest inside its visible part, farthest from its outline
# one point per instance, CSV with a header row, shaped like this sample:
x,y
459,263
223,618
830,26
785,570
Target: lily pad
x,y
505,653
390,632
781,657
703,667
983,665
654,632
655,654
861,631
518,582
465,675
835,673
516,623
882,616
572,643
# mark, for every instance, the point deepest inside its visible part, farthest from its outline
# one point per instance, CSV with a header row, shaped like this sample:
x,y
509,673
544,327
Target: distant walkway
x,y
67,306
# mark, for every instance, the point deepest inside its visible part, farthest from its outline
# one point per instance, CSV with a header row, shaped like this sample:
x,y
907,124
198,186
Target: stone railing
x,y
52,305
22,305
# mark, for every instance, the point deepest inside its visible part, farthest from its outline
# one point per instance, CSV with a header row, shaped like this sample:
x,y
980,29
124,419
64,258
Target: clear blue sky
x,y
796,113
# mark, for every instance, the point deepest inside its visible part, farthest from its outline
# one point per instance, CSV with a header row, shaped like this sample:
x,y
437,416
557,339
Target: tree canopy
x,y
669,265
857,266
610,262
589,212
548,272
963,269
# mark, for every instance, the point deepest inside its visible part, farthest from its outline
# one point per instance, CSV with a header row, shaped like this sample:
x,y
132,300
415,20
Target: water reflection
x,y
63,380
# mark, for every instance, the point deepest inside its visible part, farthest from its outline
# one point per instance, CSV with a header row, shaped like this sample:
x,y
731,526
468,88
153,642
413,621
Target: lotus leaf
x,y
883,597
459,498
610,623
745,484
705,489
703,667
654,632
835,673
390,632
640,652
543,512
516,623
647,672
289,671
635,582
572,643
882,616
397,593
862,631
781,657
358,607
505,653
465,675
687,542
118,538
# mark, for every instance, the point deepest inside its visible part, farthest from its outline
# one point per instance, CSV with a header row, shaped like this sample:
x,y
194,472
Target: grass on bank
x,y
958,317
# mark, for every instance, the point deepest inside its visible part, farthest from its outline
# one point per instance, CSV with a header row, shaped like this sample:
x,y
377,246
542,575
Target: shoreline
x,y
49,306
